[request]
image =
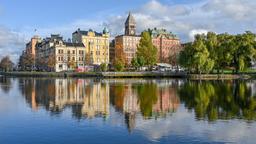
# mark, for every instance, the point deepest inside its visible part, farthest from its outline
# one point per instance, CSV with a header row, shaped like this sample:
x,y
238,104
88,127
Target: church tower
x,y
130,25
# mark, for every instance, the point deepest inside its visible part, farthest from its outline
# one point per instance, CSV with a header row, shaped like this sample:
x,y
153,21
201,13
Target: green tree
x,y
224,51
245,51
135,63
147,50
195,56
119,65
103,67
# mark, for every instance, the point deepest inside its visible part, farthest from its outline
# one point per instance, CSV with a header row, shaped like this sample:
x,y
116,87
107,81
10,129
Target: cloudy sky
x,y
19,19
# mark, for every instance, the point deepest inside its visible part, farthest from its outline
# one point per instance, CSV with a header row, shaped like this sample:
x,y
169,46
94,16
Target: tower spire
x,y
130,25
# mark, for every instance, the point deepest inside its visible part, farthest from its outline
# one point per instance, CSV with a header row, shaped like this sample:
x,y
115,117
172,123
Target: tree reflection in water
x,y
219,100
147,94
5,84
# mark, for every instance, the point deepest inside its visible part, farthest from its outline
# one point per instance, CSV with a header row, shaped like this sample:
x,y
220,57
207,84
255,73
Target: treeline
x,y
213,100
218,52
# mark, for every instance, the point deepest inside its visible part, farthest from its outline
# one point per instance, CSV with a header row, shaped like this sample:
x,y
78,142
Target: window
x,y
81,52
74,52
73,58
68,51
60,51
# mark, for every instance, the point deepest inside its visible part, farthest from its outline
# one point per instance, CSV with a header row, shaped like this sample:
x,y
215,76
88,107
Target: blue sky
x,y
19,18
23,13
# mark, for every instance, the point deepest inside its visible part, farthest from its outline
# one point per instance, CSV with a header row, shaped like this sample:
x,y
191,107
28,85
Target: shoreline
x,y
131,75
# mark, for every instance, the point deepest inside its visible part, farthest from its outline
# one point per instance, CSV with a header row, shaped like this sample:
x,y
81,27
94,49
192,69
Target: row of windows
x,y
98,53
71,59
96,41
69,51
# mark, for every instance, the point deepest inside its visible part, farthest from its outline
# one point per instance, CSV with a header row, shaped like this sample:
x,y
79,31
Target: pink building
x,y
166,43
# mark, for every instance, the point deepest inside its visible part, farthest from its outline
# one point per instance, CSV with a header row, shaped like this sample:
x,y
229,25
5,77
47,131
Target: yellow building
x,y
96,45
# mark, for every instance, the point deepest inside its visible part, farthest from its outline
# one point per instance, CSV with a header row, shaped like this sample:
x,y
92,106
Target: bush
x,y
103,67
119,66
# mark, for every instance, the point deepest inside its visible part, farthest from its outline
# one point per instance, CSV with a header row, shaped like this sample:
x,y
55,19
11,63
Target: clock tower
x,y
130,25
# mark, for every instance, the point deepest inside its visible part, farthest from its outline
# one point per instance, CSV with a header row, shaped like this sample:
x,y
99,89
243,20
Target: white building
x,y
55,54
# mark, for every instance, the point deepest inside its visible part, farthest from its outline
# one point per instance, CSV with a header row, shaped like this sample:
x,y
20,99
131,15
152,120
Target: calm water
x,y
34,111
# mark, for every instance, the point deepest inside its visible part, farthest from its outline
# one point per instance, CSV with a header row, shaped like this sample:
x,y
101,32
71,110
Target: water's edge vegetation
x,y
131,75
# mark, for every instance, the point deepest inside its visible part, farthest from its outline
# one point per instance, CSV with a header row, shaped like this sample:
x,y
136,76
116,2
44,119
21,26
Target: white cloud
x,y
233,16
194,32
11,43
184,124
234,9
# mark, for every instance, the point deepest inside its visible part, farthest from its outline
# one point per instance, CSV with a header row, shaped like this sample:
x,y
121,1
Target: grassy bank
x,y
131,75
95,74
220,76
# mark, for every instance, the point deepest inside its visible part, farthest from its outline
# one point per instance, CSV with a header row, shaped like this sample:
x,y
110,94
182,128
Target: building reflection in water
x,y
89,98
147,98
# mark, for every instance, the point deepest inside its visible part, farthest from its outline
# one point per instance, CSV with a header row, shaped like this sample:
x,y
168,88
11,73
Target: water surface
x,y
34,110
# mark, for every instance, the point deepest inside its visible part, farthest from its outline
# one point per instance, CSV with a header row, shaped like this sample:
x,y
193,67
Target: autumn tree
x,y
51,62
120,59
6,64
27,61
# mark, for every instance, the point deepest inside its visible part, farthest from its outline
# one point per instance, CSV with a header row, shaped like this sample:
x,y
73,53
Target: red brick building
x,y
166,43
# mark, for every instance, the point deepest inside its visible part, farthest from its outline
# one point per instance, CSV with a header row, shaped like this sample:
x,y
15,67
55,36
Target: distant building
x,y
30,51
166,42
56,54
96,45
128,42
31,46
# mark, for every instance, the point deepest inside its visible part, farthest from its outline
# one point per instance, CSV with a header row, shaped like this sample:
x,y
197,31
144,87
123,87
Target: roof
x,y
82,32
158,32
128,36
74,44
130,19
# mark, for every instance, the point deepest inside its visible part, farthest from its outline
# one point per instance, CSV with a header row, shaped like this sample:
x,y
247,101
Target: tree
x,y
147,50
103,67
6,64
72,64
173,59
51,62
219,52
224,51
88,58
120,60
135,63
119,65
195,56
27,61
245,50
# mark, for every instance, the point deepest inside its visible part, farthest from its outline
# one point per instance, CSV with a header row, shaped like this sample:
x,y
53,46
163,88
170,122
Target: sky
x,y
185,18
